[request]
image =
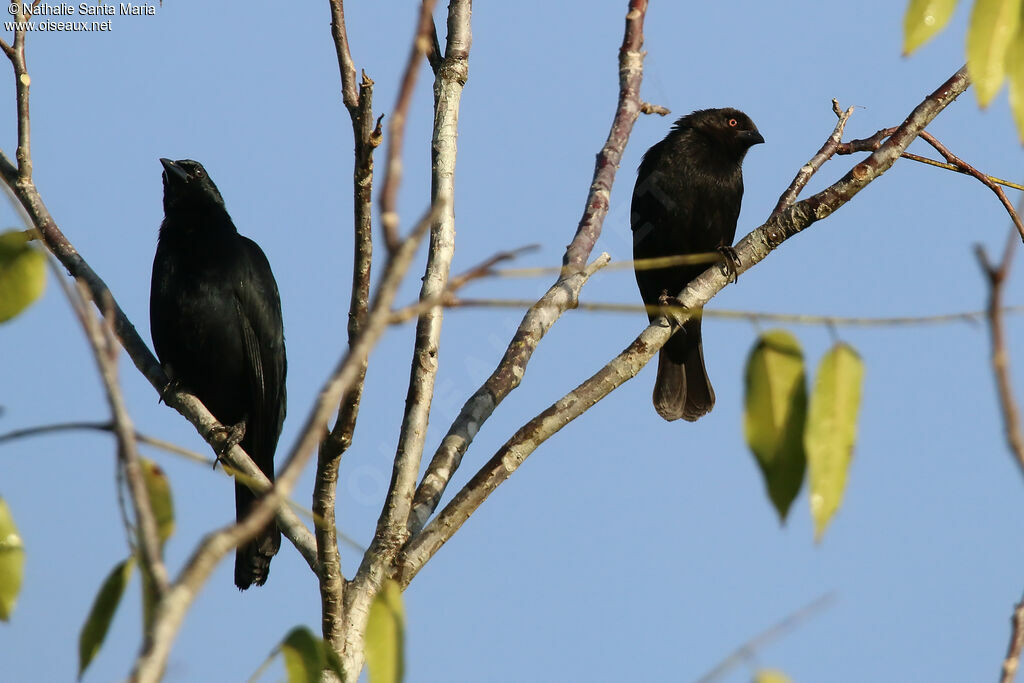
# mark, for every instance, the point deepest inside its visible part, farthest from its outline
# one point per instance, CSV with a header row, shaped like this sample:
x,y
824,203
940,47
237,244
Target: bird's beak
x,y
751,137
172,170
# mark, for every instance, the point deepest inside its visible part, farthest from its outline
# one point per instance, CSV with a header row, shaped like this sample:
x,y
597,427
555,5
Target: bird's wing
x,y
259,309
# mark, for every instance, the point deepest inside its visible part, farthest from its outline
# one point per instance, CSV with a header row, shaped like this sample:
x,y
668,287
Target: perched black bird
x,y
215,316
686,201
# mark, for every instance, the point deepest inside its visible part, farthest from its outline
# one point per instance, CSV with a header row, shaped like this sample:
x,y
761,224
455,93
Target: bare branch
x,y
750,316
875,141
751,250
106,427
648,108
747,650
434,55
1012,661
367,136
391,527
105,350
561,296
811,167
396,127
346,66
965,167
996,277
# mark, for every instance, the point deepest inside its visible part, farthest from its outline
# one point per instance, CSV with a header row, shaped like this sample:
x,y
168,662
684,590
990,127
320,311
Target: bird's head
x,y
188,185
728,128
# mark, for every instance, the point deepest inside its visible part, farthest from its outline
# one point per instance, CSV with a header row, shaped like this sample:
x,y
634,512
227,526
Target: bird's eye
x,y
733,123
198,173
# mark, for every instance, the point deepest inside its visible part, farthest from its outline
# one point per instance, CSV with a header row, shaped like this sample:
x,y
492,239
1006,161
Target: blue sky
x,y
626,548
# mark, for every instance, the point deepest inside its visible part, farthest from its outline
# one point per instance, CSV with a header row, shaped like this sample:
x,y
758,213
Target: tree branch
x,y
105,349
396,127
106,427
996,277
751,250
965,167
367,137
811,167
1012,661
561,296
391,530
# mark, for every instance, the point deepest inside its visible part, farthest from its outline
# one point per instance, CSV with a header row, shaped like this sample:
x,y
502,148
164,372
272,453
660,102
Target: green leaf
x,y
22,273
12,562
162,504
385,635
94,631
832,430
1015,72
771,676
993,26
159,490
306,656
775,413
924,19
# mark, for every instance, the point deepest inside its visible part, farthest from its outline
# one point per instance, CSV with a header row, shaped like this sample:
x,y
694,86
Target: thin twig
x,y
346,66
811,167
872,143
561,296
725,314
751,250
105,350
434,55
481,270
785,626
367,137
965,167
396,127
106,427
997,275
1012,660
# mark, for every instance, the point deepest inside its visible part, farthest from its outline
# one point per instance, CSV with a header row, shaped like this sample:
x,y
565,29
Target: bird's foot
x,y
730,263
667,300
226,436
172,386
670,304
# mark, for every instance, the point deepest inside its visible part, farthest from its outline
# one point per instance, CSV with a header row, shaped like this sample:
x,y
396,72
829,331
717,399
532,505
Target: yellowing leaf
x,y
832,430
775,413
924,19
993,26
12,562
771,676
22,274
94,631
385,636
1015,72
159,490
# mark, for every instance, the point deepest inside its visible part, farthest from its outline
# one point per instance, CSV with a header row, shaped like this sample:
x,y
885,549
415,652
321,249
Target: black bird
x,y
686,201
215,316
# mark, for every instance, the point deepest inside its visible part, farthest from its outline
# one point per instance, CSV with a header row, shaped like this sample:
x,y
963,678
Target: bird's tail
x,y
682,388
252,560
